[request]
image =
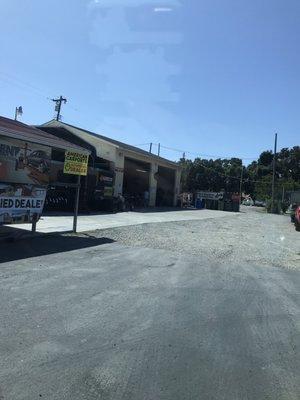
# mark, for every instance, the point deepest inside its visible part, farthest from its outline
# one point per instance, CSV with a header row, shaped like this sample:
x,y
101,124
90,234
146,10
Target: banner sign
x,y
20,203
76,163
22,162
210,195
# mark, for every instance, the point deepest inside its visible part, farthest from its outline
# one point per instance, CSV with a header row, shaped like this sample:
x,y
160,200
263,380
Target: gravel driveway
x,y
252,237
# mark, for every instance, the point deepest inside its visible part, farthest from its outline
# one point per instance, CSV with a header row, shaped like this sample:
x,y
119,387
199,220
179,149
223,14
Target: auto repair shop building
x,y
136,170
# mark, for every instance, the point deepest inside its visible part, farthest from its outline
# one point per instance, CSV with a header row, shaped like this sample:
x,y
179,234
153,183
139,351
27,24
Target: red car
x,y
297,218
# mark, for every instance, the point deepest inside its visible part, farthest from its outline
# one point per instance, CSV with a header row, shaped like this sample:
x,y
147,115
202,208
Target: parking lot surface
x,y
155,311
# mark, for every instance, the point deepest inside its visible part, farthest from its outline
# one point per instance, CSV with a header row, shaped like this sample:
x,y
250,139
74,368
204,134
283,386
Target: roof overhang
x,y
37,136
97,140
91,139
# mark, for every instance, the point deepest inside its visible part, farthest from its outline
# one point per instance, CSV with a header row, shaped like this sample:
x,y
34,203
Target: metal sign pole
x,y
76,164
33,226
76,205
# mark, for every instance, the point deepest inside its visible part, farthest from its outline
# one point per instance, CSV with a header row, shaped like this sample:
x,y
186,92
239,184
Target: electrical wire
x,y
229,176
205,155
9,78
142,144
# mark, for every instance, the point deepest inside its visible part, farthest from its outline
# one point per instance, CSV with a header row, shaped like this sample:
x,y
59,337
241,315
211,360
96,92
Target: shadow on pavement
x,y
46,244
162,209
136,209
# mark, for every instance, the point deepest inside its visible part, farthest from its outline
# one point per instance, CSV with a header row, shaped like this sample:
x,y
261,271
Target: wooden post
x,y
33,226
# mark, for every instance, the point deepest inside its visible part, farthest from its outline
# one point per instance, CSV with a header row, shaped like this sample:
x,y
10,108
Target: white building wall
x,y
106,151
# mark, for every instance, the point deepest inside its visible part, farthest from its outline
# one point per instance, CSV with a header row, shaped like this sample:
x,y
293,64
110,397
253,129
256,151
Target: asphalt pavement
x,y
89,317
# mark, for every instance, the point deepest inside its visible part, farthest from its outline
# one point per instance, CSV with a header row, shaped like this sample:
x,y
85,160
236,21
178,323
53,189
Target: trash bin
x,y
220,205
235,206
199,204
227,206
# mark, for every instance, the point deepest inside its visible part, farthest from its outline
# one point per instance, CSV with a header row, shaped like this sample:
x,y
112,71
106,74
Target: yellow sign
x,y
75,163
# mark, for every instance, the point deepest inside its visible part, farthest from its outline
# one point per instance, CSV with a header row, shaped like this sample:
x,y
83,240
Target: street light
x,y
18,111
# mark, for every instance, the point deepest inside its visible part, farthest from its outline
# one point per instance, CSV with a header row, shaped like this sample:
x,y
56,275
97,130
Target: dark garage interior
x,y
165,187
136,178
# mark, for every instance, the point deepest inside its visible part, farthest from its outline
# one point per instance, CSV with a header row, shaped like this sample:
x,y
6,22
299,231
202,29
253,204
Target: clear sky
x,y
215,77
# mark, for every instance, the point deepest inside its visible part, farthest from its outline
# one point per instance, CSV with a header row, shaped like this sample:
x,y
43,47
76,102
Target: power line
x,y
203,165
205,155
13,80
230,176
8,78
17,81
142,144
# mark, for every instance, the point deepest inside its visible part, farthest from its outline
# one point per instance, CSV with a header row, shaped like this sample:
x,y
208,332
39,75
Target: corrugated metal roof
x,y
92,137
20,131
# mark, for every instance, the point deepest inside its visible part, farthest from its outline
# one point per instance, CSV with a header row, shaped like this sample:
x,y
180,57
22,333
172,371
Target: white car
x,y
248,202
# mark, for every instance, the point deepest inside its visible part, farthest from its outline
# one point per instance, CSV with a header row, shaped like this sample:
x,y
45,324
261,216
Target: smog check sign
x,y
76,163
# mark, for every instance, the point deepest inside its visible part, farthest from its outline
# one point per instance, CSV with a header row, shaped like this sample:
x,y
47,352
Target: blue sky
x,y
214,77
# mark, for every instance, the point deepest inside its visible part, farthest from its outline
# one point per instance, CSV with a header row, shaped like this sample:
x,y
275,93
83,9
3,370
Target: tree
x,y
266,158
224,174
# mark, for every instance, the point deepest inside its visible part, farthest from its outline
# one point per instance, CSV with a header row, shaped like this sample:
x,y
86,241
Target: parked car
x,y
248,202
297,218
259,203
292,210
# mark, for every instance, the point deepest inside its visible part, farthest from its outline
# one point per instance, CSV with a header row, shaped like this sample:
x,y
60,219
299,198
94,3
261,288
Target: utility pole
x,y
274,172
150,150
58,102
18,111
158,150
282,197
183,155
241,184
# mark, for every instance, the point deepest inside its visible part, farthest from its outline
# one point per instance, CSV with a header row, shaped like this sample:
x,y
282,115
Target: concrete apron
x,y
49,224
